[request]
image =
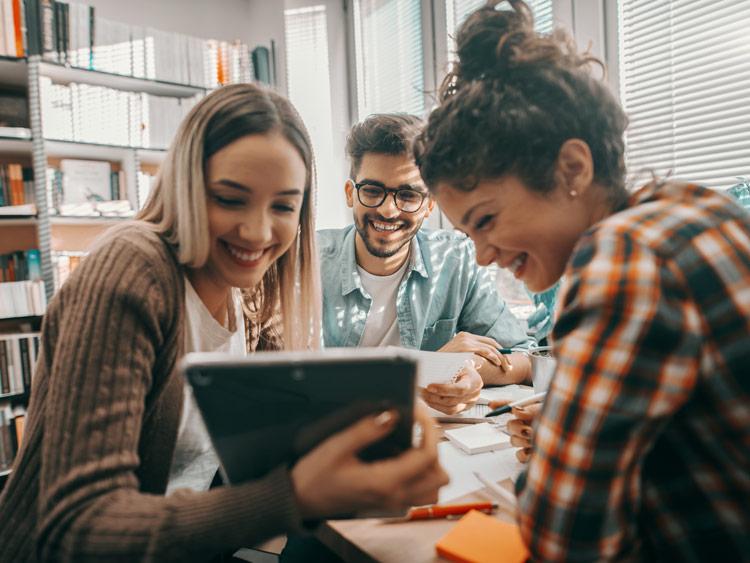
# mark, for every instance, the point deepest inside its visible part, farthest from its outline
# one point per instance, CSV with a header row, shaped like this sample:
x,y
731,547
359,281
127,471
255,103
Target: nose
x,y
256,228
388,208
485,253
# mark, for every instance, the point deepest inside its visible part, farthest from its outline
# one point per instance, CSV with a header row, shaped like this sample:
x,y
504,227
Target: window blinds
x,y
389,57
685,78
309,85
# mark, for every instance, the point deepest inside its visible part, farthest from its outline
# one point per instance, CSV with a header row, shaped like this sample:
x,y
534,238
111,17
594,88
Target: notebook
x,y
478,438
480,538
434,367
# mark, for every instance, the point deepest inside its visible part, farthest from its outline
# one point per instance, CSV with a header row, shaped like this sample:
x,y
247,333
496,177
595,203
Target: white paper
x,y
460,466
508,393
436,367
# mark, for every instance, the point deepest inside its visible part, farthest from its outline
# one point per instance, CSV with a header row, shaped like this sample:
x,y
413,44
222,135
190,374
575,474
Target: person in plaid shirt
x,y
642,447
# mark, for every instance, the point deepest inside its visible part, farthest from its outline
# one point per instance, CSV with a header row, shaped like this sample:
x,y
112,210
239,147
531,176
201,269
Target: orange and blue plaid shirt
x,y
642,449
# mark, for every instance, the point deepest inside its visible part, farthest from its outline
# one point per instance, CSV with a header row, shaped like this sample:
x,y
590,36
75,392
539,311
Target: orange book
x,y
15,174
17,28
480,538
19,421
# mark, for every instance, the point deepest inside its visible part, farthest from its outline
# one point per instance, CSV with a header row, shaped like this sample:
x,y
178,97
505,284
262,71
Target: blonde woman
x,y
111,429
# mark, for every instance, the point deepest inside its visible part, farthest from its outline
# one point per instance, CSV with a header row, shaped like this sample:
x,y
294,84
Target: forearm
x,y
495,375
185,526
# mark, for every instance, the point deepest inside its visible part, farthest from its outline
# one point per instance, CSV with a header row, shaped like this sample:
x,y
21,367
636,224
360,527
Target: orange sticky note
x,y
479,538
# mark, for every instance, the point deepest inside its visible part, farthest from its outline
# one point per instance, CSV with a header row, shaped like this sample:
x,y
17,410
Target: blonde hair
x,y
176,208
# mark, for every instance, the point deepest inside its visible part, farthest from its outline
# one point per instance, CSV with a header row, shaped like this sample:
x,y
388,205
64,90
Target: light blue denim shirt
x,y
443,292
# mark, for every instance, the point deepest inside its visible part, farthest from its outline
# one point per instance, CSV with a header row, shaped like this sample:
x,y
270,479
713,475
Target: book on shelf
x,y
21,288
73,34
12,28
12,424
63,264
22,265
22,299
22,133
88,188
97,114
18,356
14,114
16,185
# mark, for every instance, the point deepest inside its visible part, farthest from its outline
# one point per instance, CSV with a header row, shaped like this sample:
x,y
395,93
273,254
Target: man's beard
x,y
384,251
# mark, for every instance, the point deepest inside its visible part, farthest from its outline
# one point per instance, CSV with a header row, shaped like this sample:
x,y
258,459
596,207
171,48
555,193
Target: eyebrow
x,y
244,188
467,215
416,188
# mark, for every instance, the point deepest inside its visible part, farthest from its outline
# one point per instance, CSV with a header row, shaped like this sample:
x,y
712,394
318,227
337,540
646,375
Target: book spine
x,y
25,383
17,34
4,376
4,368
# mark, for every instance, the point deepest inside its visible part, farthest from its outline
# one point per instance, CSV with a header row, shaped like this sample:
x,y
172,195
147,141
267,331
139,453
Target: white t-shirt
x,y
381,327
194,462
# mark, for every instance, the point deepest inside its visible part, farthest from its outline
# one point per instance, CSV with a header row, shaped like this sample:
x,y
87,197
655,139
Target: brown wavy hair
x,y
177,208
511,101
381,133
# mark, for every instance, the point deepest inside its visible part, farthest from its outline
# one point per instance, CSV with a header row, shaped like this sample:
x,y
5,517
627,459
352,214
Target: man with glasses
x,y
387,281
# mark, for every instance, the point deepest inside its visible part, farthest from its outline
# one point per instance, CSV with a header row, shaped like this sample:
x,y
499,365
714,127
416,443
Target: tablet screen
x,y
271,408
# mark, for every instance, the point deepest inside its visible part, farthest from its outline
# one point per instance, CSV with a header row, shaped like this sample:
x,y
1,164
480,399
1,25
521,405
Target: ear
x,y
349,190
574,169
430,206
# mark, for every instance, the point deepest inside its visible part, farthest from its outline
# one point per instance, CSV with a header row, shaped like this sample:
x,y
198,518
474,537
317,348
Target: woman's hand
x,y
332,480
520,427
482,346
451,398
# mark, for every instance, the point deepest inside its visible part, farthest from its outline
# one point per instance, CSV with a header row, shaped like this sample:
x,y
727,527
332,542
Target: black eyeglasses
x,y
373,195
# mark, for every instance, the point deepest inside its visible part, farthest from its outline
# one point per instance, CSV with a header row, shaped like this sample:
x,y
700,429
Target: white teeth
x,y
384,226
244,256
513,267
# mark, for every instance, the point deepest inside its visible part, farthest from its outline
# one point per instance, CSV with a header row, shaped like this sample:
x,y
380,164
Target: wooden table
x,y
372,540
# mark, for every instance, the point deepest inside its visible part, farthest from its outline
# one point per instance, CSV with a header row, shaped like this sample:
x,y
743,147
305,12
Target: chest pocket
x,y
438,334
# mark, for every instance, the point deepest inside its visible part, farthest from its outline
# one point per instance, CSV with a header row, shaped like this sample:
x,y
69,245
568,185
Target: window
x,y
456,11
309,87
389,56
685,74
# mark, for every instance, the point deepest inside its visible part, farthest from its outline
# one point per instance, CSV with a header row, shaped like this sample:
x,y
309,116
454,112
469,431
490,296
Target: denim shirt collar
x,y
349,276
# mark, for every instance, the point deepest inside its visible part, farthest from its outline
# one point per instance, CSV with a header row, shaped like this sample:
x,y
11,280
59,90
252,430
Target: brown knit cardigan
x,y
89,481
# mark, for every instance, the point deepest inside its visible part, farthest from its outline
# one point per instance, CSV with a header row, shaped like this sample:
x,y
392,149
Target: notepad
x,y
479,538
435,367
478,438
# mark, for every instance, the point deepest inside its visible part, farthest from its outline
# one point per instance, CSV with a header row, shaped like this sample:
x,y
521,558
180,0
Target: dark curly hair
x,y
382,133
511,101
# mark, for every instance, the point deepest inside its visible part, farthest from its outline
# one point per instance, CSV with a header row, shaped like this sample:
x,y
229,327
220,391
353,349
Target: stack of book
x,y
96,114
16,189
12,24
21,288
88,188
12,421
18,355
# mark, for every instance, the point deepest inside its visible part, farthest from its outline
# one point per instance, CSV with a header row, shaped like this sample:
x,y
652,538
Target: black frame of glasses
x,y
394,192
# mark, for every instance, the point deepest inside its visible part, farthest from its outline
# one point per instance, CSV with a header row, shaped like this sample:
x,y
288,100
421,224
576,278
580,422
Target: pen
x,y
496,489
520,403
445,510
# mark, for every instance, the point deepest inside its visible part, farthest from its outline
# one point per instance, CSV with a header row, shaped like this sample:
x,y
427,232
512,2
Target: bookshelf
x,y
112,99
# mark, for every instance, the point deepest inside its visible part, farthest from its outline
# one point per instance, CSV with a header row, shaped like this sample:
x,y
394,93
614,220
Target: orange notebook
x,y
480,538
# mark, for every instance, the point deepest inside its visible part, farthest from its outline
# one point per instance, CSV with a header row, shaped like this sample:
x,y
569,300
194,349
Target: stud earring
x,y
573,193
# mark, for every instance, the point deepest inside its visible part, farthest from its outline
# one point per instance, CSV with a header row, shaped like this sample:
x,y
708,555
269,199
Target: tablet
x,y
271,408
